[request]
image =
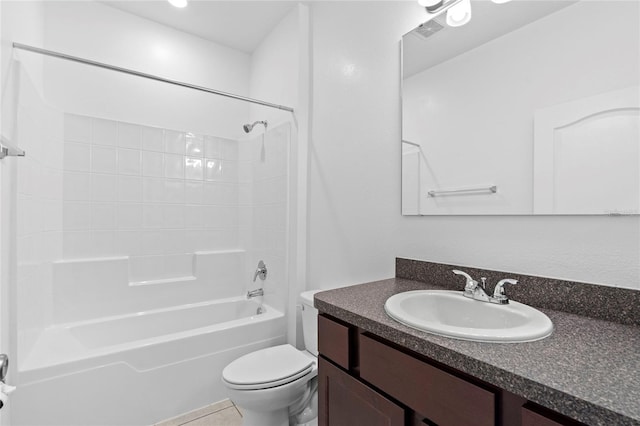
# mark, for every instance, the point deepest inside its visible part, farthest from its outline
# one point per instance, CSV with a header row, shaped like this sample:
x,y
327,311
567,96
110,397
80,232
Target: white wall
x,y
355,226
98,32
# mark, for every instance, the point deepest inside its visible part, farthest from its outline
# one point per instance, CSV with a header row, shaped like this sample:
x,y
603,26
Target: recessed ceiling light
x,y
178,3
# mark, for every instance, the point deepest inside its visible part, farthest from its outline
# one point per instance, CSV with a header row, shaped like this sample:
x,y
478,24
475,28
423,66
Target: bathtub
x,y
138,369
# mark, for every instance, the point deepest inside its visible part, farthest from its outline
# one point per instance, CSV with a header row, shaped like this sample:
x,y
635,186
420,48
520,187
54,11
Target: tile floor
x,y
223,413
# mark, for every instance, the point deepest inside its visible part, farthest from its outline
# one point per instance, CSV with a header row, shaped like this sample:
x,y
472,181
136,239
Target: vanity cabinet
x,y
365,380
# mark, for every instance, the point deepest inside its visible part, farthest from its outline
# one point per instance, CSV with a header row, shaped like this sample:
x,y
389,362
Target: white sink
x,y
450,314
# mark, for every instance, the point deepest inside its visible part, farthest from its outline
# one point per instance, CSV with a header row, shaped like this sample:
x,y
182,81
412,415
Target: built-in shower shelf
x,y
172,280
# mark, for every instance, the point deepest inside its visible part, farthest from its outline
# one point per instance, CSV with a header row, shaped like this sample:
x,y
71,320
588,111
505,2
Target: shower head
x,y
249,127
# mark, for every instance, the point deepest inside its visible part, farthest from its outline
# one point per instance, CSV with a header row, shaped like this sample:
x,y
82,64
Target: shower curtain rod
x,y
145,75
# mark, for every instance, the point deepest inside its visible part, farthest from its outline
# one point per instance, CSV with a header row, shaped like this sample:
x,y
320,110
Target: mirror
x,y
533,107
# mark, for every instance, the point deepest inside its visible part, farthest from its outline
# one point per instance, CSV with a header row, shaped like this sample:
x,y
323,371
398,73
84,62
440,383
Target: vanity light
x,y
459,14
178,3
430,5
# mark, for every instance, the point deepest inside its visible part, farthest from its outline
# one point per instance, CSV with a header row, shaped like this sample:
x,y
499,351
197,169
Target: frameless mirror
x,y
533,107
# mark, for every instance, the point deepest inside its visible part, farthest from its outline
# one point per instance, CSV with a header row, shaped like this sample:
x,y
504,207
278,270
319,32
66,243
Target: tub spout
x,y
255,293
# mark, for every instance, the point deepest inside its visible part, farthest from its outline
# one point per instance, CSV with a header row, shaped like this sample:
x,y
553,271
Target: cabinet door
x,y
344,401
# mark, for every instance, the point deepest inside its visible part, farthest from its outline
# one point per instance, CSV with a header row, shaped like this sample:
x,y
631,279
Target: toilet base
x,y
265,418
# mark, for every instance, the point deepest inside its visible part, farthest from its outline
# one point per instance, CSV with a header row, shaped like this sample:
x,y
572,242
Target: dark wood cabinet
x,y
345,401
443,398
365,380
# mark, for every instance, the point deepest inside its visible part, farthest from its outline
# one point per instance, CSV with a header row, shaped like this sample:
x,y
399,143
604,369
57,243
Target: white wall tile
x,y
212,147
152,164
127,242
130,189
152,216
104,187
152,241
103,243
104,132
174,142
103,216
54,216
229,149
76,216
77,186
103,159
77,157
212,169
193,192
211,193
129,161
230,171
77,128
173,216
193,169
175,241
174,191
129,216
193,217
174,166
77,244
153,190
152,139
228,194
129,135
194,145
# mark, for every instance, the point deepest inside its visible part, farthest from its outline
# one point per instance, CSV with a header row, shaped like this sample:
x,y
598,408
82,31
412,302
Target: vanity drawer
x,y
333,341
537,416
443,398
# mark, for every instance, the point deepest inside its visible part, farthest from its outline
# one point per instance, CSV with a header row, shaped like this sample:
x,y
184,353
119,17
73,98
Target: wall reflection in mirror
x,y
532,107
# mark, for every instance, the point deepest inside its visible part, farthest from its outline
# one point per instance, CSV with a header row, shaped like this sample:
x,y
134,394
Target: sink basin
x,y
450,314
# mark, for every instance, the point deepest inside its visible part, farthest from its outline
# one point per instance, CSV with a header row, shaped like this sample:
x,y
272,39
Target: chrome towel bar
x,y
491,189
8,150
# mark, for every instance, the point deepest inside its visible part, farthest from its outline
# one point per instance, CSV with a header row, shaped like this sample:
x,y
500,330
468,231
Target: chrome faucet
x,y
476,291
255,293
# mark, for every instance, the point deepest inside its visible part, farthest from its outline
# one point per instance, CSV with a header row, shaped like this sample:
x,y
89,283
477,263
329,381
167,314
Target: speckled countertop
x,y
588,369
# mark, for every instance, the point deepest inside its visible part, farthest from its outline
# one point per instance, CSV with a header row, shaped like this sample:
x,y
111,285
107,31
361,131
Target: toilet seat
x,y
267,368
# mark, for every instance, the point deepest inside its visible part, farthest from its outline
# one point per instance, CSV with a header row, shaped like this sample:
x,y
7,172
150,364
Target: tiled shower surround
x,y
155,195
132,218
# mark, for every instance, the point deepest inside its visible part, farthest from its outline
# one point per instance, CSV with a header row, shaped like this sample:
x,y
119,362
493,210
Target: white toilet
x,y
277,386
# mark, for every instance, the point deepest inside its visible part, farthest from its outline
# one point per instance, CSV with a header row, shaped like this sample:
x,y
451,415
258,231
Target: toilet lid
x,y
267,368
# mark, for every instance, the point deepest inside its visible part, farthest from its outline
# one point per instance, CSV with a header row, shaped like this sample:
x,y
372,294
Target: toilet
x,y
277,386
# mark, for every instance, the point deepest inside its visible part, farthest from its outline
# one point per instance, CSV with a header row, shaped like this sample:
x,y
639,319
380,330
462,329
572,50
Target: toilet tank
x,y
309,321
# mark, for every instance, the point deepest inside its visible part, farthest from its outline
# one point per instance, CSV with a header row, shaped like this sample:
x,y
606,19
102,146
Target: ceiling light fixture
x,y
178,3
458,11
430,5
459,14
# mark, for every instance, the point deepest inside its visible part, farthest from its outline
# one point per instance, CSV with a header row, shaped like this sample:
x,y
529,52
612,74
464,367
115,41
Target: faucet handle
x,y
484,282
498,291
471,284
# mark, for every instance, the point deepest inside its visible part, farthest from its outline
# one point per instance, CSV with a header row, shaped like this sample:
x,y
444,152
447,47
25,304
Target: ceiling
x,y
489,21
238,24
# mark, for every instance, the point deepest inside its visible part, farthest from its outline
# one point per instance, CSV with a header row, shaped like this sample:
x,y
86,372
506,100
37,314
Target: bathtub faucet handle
x,y
261,271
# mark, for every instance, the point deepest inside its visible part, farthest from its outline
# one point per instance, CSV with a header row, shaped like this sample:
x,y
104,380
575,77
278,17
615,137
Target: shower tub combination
x,y
139,368
113,341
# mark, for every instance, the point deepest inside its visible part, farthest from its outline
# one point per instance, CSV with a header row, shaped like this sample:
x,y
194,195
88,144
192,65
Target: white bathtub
x,y
139,368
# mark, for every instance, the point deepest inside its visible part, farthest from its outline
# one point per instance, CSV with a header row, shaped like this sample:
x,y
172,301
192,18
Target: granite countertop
x,y
588,369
